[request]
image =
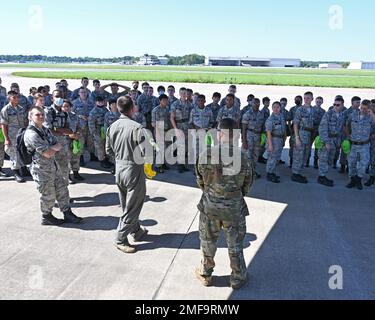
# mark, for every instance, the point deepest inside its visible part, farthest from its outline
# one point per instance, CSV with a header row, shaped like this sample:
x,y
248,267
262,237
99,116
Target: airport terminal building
x,y
253,62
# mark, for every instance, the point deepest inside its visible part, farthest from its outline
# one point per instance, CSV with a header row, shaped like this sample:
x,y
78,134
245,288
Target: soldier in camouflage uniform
x,y
160,120
139,117
319,113
201,120
171,97
3,90
180,116
115,93
98,92
303,129
359,129
215,106
144,103
266,114
96,128
76,136
110,118
3,100
276,135
23,101
59,123
252,128
237,102
84,84
290,129
330,132
229,111
371,181
222,206
82,108
356,103
13,118
154,100
51,185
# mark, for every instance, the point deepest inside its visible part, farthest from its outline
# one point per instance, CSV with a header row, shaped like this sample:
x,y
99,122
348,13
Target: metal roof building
x,y
253,62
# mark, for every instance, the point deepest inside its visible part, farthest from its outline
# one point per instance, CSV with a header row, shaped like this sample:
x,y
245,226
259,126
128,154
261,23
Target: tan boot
x,y
206,281
128,249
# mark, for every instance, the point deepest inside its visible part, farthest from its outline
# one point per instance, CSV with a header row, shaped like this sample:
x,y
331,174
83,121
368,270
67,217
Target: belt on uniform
x,y
360,143
255,131
334,135
182,121
312,130
278,136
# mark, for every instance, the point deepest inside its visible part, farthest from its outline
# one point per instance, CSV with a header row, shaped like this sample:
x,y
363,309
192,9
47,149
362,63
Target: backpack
x,y
23,153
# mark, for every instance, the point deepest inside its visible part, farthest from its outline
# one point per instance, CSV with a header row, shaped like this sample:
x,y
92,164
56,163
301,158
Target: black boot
x,y
291,163
3,174
299,178
105,164
70,217
82,161
77,176
352,183
359,184
71,180
93,158
50,220
18,177
325,182
316,163
25,172
342,170
370,182
271,177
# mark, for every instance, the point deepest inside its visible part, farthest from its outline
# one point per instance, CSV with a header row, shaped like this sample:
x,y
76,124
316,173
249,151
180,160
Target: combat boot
x,y
82,161
126,248
71,180
298,178
316,164
205,280
18,177
325,181
93,158
271,177
50,220
343,169
291,163
352,183
25,172
257,176
3,174
77,176
237,285
70,217
359,184
105,164
370,182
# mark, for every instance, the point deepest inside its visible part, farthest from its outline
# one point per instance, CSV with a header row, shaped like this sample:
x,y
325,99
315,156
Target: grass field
x,y
239,75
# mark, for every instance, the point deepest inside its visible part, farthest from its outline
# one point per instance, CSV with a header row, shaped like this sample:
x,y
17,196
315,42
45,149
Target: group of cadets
x,y
83,116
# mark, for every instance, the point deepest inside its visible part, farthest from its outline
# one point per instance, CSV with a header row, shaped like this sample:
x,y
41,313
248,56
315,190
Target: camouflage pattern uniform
x,y
292,140
160,120
48,100
344,157
75,94
237,103
222,206
3,91
372,152
130,176
46,172
171,101
215,108
96,123
359,158
95,94
145,105
201,119
75,159
60,120
276,125
83,109
330,132
304,119
182,111
15,119
266,114
109,119
140,118
25,103
319,113
3,101
232,113
254,121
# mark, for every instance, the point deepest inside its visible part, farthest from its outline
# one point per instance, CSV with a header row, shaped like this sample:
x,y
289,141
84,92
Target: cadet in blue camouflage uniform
x,y
252,128
115,93
180,116
359,129
229,111
171,97
84,84
330,131
356,103
215,106
96,128
160,120
82,108
3,90
98,92
371,181
139,117
13,118
237,102
290,128
276,135
303,129
23,101
222,206
266,114
3,100
144,103
202,120
51,185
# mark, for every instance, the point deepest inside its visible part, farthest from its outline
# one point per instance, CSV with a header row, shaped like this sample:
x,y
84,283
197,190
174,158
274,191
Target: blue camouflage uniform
x,y
229,113
96,125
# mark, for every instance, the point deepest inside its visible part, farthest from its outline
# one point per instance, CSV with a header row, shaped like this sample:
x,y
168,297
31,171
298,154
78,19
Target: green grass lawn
x,y
282,77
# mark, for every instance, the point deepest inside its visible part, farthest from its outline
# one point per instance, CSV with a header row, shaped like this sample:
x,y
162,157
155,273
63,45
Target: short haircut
x,y
373,101
145,84
339,99
189,91
202,96
38,96
99,99
40,89
183,89
283,99
266,99
82,88
319,98
163,96
299,97
32,89
112,101
217,95
228,124
308,93
257,100
12,93
356,99
231,95
161,88
125,104
232,86
172,87
84,78
276,103
40,109
250,97
69,103
58,91
96,81
366,103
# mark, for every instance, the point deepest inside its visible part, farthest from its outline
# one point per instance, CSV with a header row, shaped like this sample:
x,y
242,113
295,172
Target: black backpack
x,y
23,153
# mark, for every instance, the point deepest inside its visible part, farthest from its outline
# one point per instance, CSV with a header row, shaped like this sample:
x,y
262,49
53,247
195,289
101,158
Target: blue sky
x,y
283,29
